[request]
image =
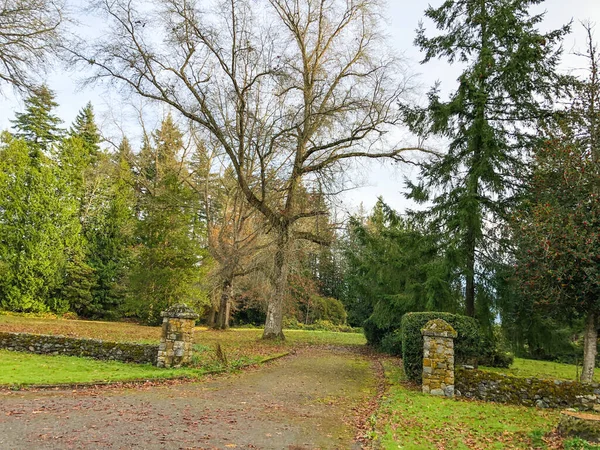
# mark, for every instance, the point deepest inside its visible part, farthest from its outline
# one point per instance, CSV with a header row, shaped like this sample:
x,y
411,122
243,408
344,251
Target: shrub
x,y
497,358
290,323
495,352
392,343
374,333
469,344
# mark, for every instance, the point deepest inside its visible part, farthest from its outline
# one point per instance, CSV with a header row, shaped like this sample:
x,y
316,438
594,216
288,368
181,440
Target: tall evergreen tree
x,y
110,234
86,176
167,269
507,85
38,126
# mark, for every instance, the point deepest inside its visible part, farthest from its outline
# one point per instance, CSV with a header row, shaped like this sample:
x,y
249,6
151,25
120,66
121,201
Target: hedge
x,y
469,344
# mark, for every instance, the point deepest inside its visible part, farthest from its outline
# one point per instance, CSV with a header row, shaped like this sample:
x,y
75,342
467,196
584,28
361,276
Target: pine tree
x,y
37,125
507,85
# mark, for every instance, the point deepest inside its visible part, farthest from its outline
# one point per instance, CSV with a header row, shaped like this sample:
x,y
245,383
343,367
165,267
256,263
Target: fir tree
x,y
110,236
38,126
85,128
168,256
507,85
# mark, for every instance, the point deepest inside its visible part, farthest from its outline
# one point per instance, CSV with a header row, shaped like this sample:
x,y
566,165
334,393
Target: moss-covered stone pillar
x,y
438,358
177,337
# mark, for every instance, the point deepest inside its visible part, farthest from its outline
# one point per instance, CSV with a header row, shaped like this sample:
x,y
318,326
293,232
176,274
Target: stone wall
x,y
438,358
91,348
491,386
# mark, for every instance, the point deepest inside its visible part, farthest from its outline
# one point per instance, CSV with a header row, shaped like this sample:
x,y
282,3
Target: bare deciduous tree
x,y
29,33
290,88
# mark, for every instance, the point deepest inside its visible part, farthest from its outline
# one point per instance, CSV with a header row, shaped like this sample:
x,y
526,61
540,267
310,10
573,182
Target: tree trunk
x,y
590,341
470,275
223,315
212,317
274,321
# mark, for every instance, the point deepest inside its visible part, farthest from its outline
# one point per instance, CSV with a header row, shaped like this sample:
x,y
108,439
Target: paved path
x,y
305,401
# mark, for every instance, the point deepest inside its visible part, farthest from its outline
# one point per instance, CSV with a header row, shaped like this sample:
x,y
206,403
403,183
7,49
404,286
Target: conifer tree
x,y
110,235
169,256
85,172
508,84
85,128
38,126
38,229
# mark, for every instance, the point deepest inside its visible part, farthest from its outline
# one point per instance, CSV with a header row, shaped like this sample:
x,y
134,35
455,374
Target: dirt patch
x,y
305,401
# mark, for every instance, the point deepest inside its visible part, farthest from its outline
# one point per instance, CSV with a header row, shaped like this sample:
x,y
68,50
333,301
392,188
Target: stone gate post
x,y
177,336
438,358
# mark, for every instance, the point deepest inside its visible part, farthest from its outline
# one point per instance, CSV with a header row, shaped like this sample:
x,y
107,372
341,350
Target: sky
x,y
376,178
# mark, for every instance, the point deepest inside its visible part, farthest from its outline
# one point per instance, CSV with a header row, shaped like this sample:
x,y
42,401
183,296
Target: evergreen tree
x,y
394,267
110,235
85,172
85,128
38,227
507,85
38,126
168,256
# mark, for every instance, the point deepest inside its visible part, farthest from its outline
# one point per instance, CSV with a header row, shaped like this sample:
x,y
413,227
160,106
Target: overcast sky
x,y
403,18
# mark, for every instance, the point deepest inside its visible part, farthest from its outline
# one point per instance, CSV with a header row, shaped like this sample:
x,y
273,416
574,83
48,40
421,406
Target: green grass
x,y
409,419
25,368
541,369
240,346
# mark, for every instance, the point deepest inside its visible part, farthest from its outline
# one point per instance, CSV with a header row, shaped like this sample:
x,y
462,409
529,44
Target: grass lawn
x,y
25,368
541,369
240,346
409,419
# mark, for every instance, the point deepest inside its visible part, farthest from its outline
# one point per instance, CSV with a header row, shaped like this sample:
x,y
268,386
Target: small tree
x,y
559,243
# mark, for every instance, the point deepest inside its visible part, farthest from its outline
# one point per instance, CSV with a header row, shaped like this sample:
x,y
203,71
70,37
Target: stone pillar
x,y
438,358
177,337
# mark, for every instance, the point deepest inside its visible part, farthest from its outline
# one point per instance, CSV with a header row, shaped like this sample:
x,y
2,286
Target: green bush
x,y
469,344
373,333
291,323
392,343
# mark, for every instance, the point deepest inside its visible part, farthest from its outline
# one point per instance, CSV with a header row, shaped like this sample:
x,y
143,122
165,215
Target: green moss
x,y
497,387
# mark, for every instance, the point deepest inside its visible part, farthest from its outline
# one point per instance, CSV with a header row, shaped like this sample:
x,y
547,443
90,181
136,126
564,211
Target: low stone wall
x,y
92,348
491,386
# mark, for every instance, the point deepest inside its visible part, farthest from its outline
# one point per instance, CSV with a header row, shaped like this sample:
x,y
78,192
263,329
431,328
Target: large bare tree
x,y
29,34
293,88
